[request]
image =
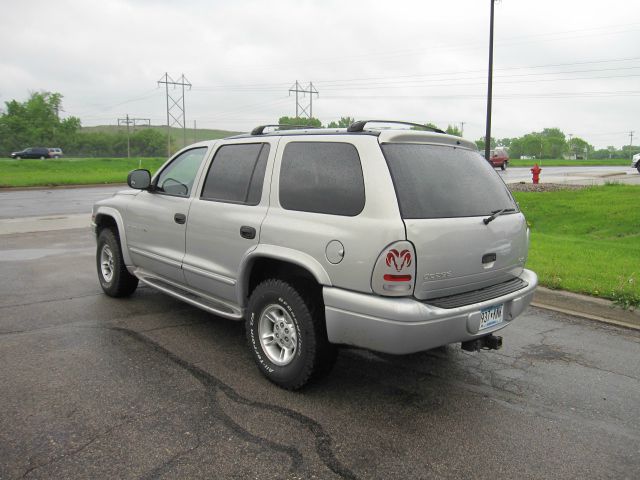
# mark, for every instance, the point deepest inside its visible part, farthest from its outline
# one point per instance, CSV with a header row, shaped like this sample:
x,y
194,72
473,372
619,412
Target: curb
x,y
587,307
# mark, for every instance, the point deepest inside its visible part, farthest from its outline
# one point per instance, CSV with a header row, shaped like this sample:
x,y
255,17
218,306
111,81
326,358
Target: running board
x,y
211,305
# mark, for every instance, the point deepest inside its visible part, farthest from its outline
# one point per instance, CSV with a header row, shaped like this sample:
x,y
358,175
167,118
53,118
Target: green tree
x,y
480,143
36,122
453,130
312,122
344,122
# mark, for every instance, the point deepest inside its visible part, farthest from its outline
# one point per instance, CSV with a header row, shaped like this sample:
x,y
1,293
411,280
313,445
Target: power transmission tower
x,y
175,106
128,121
304,108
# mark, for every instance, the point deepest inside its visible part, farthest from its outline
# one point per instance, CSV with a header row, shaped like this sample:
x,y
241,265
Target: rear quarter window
x,y
322,177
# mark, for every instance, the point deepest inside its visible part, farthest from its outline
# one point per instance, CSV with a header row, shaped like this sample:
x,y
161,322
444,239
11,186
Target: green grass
x,y
558,162
586,241
71,171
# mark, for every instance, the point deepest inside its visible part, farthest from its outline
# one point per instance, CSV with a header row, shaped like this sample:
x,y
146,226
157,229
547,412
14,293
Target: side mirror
x,y
139,179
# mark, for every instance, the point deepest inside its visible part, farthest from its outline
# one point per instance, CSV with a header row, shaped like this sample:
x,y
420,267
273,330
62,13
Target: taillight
x,y
395,270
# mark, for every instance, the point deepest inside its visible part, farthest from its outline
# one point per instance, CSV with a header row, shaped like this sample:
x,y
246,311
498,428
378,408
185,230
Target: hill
x,y
177,142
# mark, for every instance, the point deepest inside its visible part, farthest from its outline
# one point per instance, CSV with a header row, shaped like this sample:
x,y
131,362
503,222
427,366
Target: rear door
x,y
444,193
226,215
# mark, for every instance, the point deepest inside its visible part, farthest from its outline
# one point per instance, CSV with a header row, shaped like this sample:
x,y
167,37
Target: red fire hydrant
x,y
535,171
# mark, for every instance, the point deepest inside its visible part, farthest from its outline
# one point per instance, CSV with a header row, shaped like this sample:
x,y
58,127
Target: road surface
x,y
149,387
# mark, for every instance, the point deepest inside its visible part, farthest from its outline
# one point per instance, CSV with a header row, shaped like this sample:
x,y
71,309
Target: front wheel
x,y
504,166
18,157
115,279
287,334
41,157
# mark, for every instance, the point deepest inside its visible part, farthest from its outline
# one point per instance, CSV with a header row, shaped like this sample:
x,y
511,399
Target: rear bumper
x,y
406,325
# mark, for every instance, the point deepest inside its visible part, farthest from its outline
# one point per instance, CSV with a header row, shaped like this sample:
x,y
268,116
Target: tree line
x,y
36,122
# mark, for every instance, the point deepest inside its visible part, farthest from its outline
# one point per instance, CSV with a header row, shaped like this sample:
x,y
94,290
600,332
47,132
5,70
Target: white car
x,y
635,162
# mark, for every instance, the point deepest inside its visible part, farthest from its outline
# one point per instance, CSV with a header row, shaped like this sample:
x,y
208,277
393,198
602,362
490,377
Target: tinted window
x,y
440,182
322,177
177,178
237,173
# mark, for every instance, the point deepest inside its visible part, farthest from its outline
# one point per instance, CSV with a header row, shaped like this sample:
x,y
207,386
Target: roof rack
x,y
360,124
260,129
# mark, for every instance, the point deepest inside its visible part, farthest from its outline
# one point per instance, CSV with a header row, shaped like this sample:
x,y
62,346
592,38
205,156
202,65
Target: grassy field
x,y
586,241
572,163
71,171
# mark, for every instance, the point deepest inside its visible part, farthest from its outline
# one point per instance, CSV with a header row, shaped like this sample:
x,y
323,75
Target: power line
x,y
304,108
128,121
175,107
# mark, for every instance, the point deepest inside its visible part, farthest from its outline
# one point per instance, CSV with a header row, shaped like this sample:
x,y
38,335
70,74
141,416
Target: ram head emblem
x,y
399,259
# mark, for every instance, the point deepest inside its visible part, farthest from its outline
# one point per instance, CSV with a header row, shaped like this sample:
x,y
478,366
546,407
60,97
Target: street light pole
x,y
487,138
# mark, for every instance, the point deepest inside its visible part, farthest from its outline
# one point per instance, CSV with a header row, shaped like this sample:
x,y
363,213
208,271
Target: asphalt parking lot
x,y
148,387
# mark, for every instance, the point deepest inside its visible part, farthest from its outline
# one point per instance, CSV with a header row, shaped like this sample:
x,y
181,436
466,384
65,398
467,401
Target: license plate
x,y
491,316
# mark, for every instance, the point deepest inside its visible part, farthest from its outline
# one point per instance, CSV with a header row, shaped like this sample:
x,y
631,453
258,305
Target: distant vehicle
x,y
499,158
635,163
32,152
55,153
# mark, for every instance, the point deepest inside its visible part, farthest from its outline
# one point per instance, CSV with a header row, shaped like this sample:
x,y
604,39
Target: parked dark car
x,y
32,152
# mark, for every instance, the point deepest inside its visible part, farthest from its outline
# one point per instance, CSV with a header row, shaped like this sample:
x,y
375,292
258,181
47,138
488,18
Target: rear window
x,y
322,177
434,181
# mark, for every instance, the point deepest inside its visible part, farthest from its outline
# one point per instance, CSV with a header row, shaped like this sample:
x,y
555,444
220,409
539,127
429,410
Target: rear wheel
x,y
504,166
41,157
287,334
115,279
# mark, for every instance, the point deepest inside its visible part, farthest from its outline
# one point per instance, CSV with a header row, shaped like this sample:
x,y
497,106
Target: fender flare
x,y
284,254
115,214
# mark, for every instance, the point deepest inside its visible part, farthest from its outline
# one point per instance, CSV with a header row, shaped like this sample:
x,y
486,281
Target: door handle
x,y
180,218
247,232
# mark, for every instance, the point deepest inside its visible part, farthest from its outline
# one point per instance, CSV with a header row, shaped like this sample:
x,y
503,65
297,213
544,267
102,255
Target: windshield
x,y
436,181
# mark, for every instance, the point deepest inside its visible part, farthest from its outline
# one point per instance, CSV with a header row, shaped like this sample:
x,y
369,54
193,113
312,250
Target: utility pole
x,y
304,108
570,146
631,141
134,122
487,137
195,132
462,129
175,107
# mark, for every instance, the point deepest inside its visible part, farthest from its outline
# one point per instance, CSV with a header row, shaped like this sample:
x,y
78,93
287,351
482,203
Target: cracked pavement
x,y
149,387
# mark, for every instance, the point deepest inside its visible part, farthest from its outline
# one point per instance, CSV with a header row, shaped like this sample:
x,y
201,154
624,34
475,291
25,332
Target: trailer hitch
x,y
488,342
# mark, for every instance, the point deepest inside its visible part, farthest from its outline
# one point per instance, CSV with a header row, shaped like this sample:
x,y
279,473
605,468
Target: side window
x,y
236,174
322,177
178,177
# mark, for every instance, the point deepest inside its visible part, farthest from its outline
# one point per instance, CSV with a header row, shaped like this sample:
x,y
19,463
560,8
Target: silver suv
x,y
396,240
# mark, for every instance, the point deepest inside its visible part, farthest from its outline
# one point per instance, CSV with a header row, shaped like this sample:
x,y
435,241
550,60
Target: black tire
x,y
42,157
18,157
638,167
119,283
503,166
313,356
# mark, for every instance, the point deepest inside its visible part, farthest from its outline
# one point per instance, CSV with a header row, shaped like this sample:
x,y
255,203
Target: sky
x,y
566,64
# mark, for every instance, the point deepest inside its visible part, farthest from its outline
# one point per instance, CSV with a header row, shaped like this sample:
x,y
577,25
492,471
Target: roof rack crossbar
x,y
260,129
360,124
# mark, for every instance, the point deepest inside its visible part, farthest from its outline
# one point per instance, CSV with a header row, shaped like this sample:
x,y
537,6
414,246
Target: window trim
x,y
364,183
156,177
235,202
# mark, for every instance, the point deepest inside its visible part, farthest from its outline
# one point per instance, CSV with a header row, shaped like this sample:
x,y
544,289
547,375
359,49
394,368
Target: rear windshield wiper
x,y
497,213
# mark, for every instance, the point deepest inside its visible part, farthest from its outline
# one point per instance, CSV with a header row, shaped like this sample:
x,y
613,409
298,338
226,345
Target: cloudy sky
x,y
567,64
